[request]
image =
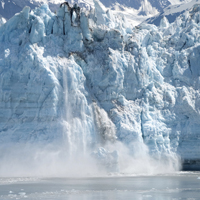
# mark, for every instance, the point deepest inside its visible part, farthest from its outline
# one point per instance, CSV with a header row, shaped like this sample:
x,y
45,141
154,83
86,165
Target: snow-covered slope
x,y
2,20
97,94
172,11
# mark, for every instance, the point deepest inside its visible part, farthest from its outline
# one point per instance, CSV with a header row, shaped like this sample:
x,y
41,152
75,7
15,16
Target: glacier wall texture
x,y
91,83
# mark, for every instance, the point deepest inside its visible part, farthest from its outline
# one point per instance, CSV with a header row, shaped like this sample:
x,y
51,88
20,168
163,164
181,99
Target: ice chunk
x,y
37,30
100,12
108,159
85,27
164,23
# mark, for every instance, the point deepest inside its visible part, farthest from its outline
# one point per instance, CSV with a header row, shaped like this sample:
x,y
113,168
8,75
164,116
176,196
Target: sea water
x,y
183,185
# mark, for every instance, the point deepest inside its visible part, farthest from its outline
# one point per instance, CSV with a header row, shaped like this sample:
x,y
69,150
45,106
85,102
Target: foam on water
x,y
167,186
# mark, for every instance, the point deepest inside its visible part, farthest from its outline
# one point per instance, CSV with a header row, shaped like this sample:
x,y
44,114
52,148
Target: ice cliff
x,y
95,87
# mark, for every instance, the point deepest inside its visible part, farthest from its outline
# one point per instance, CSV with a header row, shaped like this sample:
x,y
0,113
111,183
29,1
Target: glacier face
x,y
95,90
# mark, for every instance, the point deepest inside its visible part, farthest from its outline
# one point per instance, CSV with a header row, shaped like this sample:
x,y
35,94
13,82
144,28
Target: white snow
x,y
147,9
173,2
2,4
180,7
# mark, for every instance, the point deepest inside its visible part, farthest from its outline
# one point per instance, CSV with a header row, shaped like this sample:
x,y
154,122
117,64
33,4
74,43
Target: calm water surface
x,y
185,185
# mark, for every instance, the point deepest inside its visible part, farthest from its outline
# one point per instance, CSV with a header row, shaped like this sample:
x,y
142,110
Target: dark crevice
x,y
183,45
189,64
30,30
142,126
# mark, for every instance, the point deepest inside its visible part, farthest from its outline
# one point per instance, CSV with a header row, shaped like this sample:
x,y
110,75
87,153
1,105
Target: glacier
x,y
89,94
